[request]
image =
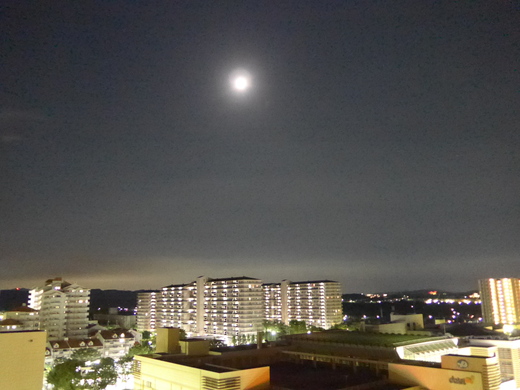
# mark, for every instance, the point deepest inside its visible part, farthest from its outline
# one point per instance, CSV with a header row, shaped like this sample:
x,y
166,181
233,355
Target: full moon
x,y
240,83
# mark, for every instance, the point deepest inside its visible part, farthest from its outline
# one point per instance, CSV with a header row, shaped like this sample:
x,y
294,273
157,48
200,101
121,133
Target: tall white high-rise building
x,y
147,306
233,306
237,306
317,302
500,300
63,308
221,308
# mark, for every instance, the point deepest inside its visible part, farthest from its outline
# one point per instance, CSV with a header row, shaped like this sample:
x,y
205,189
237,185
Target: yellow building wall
x,y
395,327
160,375
22,355
191,347
168,340
434,378
415,320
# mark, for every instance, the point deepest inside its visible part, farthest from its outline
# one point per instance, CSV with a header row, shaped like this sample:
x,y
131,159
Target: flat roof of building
x,y
420,363
364,338
175,285
22,331
245,347
191,361
314,281
233,278
306,376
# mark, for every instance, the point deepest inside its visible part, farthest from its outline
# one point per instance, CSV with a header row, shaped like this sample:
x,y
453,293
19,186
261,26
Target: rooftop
x,y
9,321
362,338
314,281
173,285
23,308
302,282
193,361
75,343
232,278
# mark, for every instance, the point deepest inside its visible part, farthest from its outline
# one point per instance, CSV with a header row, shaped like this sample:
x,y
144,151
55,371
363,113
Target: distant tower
x,y
500,300
63,309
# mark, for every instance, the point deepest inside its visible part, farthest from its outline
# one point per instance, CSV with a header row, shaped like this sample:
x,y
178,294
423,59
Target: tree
x,y
313,328
82,375
216,343
140,349
296,327
150,338
274,329
102,374
340,326
66,375
125,363
125,367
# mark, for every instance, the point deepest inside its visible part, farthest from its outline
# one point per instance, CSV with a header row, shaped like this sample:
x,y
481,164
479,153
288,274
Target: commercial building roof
x,y
362,338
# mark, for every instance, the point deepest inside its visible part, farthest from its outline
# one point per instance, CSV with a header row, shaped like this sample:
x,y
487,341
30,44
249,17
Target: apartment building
x,y
274,309
317,302
146,313
63,349
63,308
500,300
116,342
177,307
20,318
237,306
221,308
113,343
233,306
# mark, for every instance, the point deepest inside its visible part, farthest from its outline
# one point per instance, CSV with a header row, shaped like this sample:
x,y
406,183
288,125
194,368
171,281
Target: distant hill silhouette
x,y
100,300
413,294
9,299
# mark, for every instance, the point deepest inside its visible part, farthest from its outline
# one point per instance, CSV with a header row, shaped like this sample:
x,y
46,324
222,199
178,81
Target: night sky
x,y
378,144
